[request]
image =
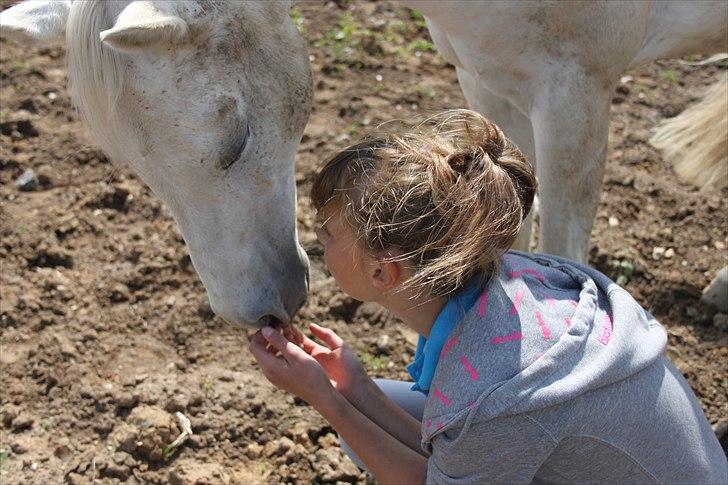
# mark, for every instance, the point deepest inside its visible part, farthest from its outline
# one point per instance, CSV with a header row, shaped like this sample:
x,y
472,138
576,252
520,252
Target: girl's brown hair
x,y
448,195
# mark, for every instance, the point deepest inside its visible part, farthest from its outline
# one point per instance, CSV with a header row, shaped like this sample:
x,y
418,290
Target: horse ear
x,y
35,21
143,25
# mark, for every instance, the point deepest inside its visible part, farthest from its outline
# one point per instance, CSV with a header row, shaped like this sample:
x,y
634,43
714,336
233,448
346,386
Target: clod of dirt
x,y
343,306
114,197
254,451
204,310
146,433
331,465
373,313
126,399
50,255
22,422
20,446
119,293
192,472
178,402
19,126
63,450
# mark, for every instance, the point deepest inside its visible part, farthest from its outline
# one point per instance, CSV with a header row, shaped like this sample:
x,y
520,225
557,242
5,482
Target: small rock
x,y
658,252
77,479
254,451
65,344
383,343
19,447
119,457
126,399
178,402
280,447
8,414
613,221
63,452
119,293
27,181
125,437
22,422
204,310
299,434
669,253
329,440
115,470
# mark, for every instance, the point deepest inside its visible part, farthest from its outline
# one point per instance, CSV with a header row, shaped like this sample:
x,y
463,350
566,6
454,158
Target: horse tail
x,y
695,143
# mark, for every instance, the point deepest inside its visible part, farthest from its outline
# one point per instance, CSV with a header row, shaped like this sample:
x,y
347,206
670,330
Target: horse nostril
x,y
269,321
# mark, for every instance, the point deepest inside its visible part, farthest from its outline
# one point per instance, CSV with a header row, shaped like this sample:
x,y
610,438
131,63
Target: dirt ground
x,y
104,325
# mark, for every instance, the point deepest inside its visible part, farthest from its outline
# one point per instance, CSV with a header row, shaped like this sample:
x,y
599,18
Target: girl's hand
x,y
340,362
288,366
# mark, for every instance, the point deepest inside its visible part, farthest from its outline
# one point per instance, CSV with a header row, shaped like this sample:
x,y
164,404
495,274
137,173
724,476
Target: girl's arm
x,y
390,460
344,369
369,399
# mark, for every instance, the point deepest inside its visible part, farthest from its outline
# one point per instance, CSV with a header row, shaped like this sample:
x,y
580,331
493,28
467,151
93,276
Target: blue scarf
x,y
422,369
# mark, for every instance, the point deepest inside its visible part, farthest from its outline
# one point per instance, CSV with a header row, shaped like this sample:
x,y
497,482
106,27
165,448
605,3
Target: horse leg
x,y
716,293
570,119
514,124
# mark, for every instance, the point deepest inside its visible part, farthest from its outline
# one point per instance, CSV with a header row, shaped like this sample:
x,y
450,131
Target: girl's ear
x,y
386,275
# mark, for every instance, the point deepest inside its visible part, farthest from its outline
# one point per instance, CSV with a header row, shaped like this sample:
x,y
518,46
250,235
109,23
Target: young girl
x,y
534,368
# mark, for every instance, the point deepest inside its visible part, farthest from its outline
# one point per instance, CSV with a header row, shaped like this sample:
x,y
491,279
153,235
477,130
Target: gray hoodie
x,y
556,374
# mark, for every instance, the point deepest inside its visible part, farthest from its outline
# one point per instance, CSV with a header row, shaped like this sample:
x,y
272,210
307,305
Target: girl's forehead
x,y
327,212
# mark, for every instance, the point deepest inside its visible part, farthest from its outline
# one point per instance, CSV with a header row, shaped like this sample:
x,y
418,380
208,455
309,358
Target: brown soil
x,y
104,325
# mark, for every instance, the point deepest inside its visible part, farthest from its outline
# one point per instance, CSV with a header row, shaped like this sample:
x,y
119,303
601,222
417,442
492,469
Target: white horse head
x,y
208,112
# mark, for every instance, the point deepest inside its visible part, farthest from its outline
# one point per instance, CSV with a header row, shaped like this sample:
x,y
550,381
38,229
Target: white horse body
x,y
545,72
175,86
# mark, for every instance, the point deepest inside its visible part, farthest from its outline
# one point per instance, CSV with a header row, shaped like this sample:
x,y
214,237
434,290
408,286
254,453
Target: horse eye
x,y
231,153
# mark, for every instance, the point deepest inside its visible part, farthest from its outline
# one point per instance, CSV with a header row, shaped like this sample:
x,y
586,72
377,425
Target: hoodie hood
x,y
544,331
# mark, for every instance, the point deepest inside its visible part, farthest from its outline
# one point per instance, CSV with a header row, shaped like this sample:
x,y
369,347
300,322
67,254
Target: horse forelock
x,y
95,72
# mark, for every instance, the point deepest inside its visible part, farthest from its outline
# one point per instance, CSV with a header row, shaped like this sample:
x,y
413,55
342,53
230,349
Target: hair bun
x,y
461,162
482,143
492,140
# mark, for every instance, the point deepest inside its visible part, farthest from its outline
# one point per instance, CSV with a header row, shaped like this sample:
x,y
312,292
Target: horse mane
x,y
95,73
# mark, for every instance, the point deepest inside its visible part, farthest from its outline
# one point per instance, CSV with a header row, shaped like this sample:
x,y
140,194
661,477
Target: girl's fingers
x,y
259,349
310,346
328,336
292,333
288,349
